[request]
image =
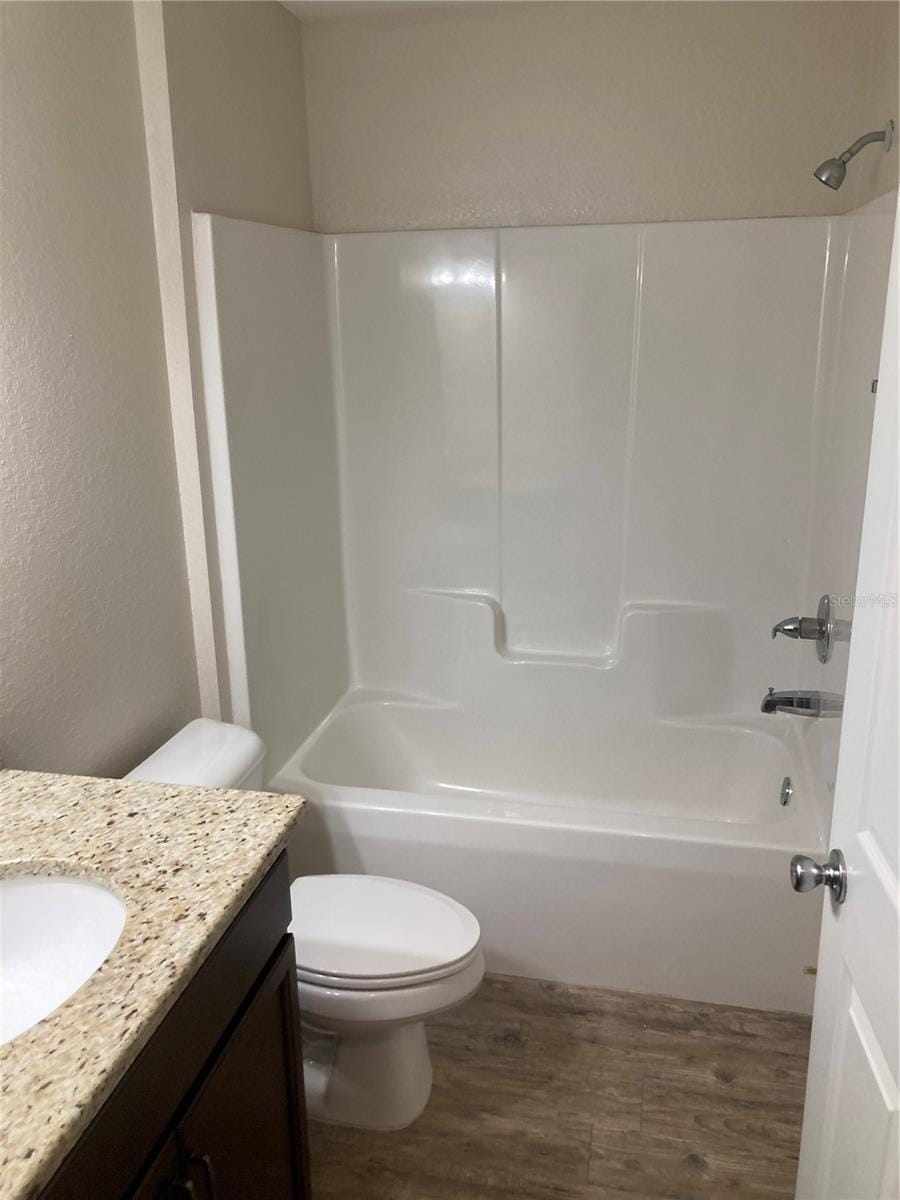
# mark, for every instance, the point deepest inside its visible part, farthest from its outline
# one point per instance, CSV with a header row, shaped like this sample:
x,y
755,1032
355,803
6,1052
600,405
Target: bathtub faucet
x,y
804,704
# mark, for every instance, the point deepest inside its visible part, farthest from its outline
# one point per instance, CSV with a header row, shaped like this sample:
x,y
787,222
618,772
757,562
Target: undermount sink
x,y
55,932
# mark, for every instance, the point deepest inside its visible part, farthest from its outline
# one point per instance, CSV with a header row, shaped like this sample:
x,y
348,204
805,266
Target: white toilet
x,y
207,754
376,957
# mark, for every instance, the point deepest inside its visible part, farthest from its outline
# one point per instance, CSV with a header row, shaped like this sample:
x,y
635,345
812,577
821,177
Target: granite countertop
x,y
184,860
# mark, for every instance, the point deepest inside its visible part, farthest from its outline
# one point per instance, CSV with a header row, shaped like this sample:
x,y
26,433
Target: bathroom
x,y
479,421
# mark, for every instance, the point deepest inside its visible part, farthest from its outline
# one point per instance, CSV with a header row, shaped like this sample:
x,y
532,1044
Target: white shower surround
x,y
577,488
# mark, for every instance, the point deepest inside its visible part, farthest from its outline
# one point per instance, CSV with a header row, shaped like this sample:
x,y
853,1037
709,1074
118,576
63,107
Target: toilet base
x,y
380,1079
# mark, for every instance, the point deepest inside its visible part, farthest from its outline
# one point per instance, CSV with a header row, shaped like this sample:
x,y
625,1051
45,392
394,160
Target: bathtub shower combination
x,y
504,521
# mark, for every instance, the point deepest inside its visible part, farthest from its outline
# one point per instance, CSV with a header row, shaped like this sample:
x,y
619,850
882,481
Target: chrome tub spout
x,y
803,704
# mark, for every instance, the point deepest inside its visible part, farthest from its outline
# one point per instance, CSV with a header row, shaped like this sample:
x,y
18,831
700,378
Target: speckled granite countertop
x,y
184,860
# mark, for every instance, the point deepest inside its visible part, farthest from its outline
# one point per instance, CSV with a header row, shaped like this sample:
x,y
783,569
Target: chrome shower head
x,y
833,171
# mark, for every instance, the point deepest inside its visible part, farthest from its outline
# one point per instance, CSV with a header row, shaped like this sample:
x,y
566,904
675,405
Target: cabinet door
x,y
161,1175
244,1136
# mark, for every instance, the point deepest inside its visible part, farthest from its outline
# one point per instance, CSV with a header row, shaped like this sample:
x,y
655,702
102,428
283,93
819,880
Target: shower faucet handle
x,y
809,628
821,629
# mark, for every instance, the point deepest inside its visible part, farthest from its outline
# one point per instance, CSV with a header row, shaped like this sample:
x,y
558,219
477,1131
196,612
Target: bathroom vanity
x,y
175,1071
213,1106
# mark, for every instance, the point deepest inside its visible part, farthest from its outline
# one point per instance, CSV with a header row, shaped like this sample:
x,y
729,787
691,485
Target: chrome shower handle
x,y
809,628
822,629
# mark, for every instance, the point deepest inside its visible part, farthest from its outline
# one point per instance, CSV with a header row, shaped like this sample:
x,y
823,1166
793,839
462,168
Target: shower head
x,y
833,171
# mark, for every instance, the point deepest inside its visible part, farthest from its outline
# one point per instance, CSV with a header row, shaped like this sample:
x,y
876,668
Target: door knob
x,y
807,874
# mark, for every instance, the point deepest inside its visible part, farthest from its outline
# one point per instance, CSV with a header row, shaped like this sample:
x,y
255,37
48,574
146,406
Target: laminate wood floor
x,y
549,1092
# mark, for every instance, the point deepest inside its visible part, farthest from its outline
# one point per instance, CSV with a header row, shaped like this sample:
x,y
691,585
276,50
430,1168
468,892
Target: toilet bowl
x,y
376,959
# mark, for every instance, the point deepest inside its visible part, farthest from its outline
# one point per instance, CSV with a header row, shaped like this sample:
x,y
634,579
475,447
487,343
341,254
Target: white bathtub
x,y
649,855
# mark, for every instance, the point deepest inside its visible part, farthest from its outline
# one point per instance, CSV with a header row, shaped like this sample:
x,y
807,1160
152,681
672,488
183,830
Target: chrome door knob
x,y
807,874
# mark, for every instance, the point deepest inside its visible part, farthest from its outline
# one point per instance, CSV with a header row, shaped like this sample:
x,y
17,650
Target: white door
x,y
851,1127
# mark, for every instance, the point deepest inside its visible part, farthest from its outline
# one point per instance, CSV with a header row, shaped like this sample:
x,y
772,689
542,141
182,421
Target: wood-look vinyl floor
x,y
549,1092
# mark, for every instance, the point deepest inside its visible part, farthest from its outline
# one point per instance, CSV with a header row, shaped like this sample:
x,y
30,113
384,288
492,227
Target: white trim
x,y
332,270
154,83
220,467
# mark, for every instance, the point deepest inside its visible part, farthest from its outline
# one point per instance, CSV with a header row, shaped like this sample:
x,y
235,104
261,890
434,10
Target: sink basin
x,y
54,934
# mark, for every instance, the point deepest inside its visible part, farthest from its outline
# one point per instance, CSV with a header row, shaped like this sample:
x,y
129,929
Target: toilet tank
x,y
207,754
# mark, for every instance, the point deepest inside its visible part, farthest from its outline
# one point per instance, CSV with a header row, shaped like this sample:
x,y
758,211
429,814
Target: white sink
x,y
54,934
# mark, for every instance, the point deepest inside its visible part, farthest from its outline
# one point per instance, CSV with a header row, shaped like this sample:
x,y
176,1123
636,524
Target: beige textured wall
x,y
237,97
96,653
879,173
239,110
568,113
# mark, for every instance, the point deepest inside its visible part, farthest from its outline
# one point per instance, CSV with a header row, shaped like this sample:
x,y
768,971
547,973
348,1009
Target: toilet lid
x,y
366,929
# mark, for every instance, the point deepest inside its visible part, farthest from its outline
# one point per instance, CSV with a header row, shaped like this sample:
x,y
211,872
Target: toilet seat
x,y
368,932
386,982
359,1010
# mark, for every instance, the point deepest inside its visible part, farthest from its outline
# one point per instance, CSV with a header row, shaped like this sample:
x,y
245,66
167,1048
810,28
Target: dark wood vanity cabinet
x,y
239,1135
212,1109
